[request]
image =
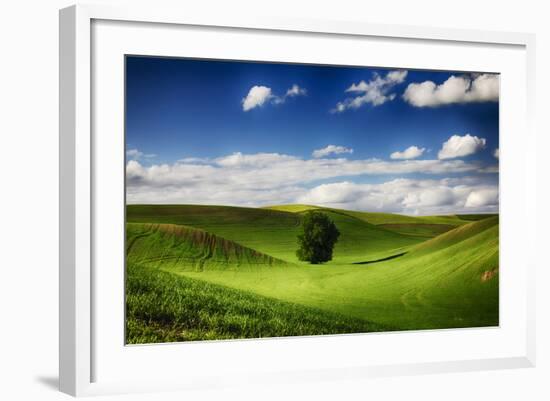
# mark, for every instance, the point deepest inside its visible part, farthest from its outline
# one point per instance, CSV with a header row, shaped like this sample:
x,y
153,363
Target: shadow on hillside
x,y
380,260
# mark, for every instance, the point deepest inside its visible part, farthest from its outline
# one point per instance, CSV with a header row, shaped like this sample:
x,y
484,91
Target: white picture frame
x,y
78,370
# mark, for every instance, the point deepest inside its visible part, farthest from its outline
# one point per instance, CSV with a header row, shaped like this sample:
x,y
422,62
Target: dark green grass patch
x,y
164,307
170,245
475,217
419,230
274,232
268,231
378,218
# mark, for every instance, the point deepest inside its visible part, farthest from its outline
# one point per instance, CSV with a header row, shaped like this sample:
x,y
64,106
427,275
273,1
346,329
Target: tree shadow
x,y
380,260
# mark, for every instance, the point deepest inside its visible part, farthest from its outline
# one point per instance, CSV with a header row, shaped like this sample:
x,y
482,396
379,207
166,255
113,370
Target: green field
x,y
218,272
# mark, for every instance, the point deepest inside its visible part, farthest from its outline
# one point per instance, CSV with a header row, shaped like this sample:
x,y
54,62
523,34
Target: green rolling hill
x,y
274,232
170,245
164,307
270,232
421,226
431,272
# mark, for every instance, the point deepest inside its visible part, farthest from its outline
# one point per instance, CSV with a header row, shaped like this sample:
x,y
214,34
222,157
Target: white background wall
x,y
29,185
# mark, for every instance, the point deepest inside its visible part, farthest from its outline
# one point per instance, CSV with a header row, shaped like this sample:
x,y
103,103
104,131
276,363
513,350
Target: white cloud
x,y
257,160
259,95
412,152
489,169
340,107
408,196
397,76
459,146
482,197
331,194
456,89
295,90
135,154
194,160
134,170
429,197
496,153
272,178
264,170
331,149
375,92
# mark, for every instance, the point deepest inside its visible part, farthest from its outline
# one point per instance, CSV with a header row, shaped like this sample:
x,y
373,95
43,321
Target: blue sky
x,y
415,142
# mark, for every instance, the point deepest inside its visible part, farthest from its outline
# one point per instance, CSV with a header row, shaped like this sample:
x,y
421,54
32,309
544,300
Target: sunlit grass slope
x,y
169,245
294,208
267,231
444,282
274,232
361,241
421,226
449,281
378,217
422,230
163,307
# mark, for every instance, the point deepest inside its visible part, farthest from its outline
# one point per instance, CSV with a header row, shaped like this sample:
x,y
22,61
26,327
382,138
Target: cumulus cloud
x,y
194,160
272,178
430,197
459,146
134,170
496,153
408,196
259,95
412,152
489,169
295,90
264,170
456,89
257,160
376,92
482,197
331,149
134,154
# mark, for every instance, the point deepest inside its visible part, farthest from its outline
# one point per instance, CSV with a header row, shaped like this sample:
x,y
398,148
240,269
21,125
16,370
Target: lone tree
x,y
317,239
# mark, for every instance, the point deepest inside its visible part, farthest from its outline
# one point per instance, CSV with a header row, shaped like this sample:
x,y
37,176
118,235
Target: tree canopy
x,y
317,238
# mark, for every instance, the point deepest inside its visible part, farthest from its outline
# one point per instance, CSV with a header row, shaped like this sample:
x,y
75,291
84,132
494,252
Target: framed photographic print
x,y
336,200
312,199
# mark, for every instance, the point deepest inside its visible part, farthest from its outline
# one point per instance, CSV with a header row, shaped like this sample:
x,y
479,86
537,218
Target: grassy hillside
x,y
296,208
162,307
476,217
418,229
274,232
267,231
456,236
421,226
384,218
447,281
361,241
438,285
170,245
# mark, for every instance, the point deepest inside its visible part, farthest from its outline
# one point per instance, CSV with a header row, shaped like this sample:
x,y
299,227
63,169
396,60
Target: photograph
x,y
275,199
